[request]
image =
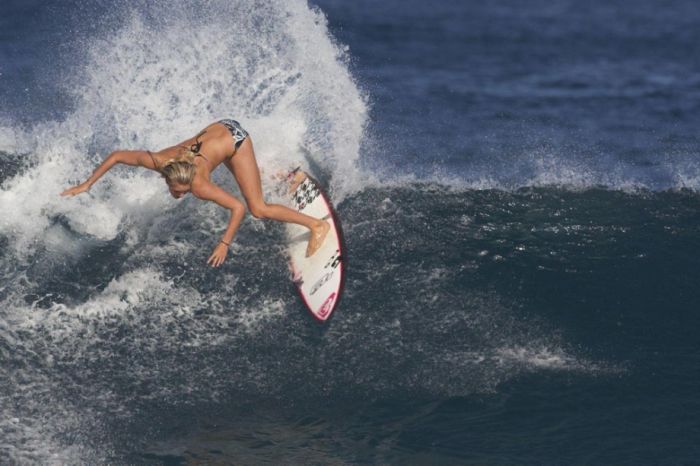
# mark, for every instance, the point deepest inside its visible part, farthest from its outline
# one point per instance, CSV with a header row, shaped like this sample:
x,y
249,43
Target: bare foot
x,y
318,234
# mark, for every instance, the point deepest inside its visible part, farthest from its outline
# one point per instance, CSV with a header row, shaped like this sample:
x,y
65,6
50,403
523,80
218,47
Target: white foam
x,y
8,139
30,440
151,85
160,317
549,167
541,357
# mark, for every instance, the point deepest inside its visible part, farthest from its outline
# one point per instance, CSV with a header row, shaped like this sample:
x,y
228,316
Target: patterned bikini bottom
x,y
237,132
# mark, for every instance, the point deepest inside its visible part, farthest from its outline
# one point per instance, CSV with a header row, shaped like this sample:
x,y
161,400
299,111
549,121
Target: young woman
x,y
187,168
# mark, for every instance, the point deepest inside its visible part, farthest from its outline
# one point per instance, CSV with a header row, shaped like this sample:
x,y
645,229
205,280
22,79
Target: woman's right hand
x,y
81,188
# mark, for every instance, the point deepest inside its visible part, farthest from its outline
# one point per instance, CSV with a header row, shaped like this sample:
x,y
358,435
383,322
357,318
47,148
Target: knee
x,y
258,210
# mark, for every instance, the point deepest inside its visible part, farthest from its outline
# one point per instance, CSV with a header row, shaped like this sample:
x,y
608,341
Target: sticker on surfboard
x,y
319,278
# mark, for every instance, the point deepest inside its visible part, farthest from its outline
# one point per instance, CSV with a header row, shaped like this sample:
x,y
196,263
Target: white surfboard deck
x,y
320,277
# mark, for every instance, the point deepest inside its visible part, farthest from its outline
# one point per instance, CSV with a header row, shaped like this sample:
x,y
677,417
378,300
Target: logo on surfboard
x,y
332,263
327,306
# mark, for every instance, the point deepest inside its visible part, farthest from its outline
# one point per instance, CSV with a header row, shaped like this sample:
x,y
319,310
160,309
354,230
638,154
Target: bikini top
x,y
193,148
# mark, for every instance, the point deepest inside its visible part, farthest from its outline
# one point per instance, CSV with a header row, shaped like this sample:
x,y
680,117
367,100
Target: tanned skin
x,y
217,146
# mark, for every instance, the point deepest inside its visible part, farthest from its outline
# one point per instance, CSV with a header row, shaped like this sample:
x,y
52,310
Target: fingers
x,y
73,191
216,262
216,259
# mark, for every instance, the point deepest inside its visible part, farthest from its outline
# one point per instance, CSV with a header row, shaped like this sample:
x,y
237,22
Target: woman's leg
x,y
245,170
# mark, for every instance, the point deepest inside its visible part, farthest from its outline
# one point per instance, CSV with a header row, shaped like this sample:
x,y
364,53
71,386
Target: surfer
x,y
187,167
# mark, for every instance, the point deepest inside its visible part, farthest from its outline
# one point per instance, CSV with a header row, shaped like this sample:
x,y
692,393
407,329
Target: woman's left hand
x,y
217,257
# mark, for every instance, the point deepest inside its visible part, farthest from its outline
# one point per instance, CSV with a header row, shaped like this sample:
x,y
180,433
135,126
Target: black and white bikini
x,y
237,132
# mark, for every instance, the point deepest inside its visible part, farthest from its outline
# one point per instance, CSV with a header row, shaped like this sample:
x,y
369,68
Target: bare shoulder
x,y
203,189
155,160
166,154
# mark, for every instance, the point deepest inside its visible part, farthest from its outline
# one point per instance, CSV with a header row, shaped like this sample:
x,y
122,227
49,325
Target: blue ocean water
x,y
519,189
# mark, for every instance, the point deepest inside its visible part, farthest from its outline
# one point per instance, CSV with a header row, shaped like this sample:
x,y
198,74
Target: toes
x,y
316,240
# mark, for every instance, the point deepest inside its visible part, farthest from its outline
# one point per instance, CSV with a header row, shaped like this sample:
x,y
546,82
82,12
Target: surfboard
x,y
319,278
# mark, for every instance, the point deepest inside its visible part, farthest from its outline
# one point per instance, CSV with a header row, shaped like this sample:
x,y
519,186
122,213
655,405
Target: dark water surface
x,y
519,189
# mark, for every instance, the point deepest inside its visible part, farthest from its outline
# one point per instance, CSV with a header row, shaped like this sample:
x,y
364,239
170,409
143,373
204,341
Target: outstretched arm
x,y
127,157
210,192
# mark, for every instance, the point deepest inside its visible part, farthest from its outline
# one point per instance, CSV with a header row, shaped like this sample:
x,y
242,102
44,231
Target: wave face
x,y
504,288
132,351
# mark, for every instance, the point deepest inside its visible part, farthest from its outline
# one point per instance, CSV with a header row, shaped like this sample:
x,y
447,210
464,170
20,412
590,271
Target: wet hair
x,y
180,169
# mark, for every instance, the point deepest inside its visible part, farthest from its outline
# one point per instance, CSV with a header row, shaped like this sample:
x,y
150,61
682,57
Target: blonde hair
x,y
180,169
